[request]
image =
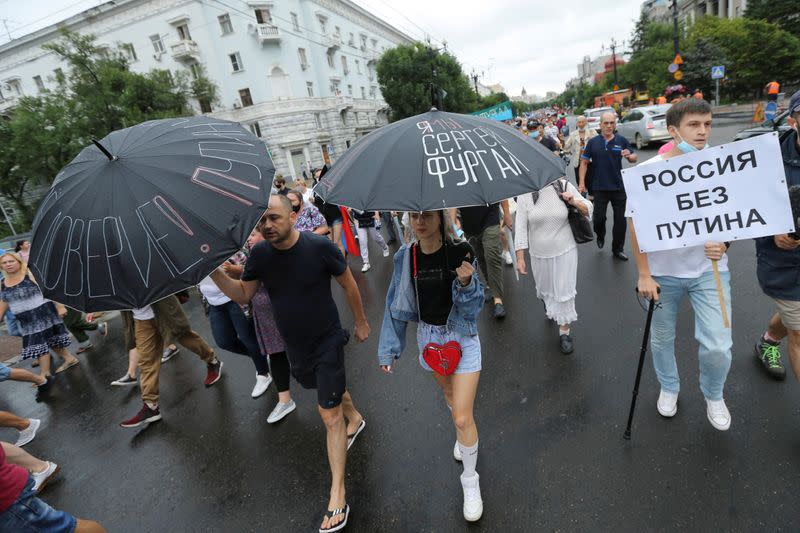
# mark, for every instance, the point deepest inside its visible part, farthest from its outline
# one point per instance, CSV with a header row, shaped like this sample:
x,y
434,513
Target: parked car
x,y
778,124
644,125
593,116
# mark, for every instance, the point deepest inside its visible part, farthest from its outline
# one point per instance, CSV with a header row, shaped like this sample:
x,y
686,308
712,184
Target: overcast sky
x,y
532,43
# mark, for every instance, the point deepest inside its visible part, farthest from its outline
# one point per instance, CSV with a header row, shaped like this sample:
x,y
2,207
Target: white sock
x,y
469,458
562,331
152,405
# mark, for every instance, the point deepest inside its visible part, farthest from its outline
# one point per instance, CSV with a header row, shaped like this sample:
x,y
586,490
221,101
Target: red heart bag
x,y
442,359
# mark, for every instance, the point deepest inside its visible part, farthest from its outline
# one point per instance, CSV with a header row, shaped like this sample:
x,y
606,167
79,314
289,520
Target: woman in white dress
x,y
542,228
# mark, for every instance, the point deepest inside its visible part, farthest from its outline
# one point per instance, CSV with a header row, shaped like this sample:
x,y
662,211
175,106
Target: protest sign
x,y
501,111
724,193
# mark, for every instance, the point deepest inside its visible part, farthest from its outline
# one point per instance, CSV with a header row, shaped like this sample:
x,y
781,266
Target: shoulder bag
x,y
579,224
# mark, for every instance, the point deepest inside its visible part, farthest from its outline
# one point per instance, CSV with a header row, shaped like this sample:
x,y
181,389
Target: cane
x,y
627,435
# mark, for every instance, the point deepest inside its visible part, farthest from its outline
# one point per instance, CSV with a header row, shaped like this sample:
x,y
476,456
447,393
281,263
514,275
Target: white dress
x,y
542,229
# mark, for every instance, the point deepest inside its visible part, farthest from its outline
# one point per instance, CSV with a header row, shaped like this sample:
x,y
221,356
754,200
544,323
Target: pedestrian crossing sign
x,y
718,72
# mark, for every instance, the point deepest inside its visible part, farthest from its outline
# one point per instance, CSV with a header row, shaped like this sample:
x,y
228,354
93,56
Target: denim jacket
x,y
401,308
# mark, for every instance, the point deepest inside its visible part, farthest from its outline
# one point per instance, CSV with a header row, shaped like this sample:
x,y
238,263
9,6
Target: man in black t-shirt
x,y
289,263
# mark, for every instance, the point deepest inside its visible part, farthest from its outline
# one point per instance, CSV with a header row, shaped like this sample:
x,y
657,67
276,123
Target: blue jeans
x,y
234,332
715,340
29,513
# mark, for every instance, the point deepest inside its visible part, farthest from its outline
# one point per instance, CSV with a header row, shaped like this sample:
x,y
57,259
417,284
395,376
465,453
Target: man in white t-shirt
x,y
688,272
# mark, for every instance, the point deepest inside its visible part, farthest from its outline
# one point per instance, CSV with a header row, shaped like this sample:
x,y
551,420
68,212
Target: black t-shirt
x,y
476,219
366,219
435,280
298,281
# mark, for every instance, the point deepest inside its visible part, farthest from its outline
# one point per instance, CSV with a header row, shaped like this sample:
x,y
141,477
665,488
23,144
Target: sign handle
x,y
725,322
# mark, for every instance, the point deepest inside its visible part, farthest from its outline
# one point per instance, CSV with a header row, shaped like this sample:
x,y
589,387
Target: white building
x,y
298,73
690,10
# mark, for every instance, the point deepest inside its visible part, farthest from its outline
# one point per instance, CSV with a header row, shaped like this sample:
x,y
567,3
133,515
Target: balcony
x,y
185,51
8,103
331,42
372,56
267,33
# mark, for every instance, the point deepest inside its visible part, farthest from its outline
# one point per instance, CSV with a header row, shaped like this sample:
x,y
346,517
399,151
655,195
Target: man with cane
x,y
688,272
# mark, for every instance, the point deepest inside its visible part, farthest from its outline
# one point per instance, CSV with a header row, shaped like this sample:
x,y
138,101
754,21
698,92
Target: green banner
x,y
500,111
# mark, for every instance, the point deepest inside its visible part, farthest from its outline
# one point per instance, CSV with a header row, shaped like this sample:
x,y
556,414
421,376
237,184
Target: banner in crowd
x,y
500,111
724,193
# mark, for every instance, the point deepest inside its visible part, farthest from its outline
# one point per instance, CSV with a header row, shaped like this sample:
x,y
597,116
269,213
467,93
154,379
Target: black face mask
x,y
296,208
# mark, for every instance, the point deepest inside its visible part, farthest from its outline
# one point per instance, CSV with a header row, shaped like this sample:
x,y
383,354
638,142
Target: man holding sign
x,y
686,271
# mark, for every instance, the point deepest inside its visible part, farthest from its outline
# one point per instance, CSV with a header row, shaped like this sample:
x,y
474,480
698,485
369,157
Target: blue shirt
x,y
606,158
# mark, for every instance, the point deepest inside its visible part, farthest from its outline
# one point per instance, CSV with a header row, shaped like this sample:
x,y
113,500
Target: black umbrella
x,y
437,160
149,211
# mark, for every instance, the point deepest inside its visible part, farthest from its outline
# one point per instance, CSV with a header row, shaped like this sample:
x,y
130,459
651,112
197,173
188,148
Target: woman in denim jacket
x,y
435,284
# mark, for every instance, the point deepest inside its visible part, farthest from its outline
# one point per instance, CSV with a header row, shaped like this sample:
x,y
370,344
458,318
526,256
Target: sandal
x,y
337,512
67,365
352,437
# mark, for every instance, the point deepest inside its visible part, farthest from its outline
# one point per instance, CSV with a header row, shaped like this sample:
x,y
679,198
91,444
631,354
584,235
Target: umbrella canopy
x,y
438,160
149,211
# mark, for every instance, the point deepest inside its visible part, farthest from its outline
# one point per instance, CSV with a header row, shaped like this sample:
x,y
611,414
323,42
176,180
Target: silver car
x,y
643,125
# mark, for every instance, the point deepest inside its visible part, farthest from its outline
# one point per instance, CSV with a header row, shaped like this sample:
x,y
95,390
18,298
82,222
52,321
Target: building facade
x,y
690,10
299,73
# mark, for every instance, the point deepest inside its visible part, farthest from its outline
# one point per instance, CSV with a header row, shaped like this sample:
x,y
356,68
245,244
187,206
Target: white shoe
x,y
507,258
27,434
457,452
718,414
40,479
365,268
667,403
262,384
280,411
386,252
473,504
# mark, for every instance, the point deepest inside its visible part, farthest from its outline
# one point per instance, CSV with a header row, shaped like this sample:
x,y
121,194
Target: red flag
x,y
347,233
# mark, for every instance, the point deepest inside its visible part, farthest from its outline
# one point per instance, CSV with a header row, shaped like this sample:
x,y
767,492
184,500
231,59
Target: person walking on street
x,y
543,229
388,224
773,89
19,374
435,284
78,326
367,222
308,216
536,132
605,153
576,143
481,225
27,427
280,185
688,272
778,261
42,472
288,263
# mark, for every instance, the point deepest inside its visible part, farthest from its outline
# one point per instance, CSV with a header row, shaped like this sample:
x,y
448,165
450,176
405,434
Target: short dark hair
x,y
690,106
296,193
285,202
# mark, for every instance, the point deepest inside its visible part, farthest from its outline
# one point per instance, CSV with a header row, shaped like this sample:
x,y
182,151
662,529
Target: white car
x,y
643,125
593,116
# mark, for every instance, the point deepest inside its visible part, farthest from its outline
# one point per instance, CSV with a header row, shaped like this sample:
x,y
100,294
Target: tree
x,y
700,56
783,13
96,95
405,74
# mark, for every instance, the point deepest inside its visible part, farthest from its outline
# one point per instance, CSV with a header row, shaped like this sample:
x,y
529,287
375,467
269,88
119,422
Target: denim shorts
x,y
29,513
5,372
470,346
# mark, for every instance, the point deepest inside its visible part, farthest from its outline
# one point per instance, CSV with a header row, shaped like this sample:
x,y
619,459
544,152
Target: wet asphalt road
x,y
552,457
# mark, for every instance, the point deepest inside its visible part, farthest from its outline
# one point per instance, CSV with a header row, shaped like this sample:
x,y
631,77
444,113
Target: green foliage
x,y
405,75
96,95
582,95
701,55
519,108
783,13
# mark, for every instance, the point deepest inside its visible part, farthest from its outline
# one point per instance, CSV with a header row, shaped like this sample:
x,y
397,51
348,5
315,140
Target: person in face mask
x,y
576,142
308,217
536,132
688,272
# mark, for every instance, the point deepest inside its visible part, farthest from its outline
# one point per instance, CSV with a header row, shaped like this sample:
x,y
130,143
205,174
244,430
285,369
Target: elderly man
x,y
605,152
576,142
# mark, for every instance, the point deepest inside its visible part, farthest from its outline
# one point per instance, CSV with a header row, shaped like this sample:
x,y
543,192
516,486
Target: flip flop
x,y
352,437
67,366
336,512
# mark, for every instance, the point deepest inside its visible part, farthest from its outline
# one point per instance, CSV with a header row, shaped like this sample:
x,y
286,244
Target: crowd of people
x,y
449,265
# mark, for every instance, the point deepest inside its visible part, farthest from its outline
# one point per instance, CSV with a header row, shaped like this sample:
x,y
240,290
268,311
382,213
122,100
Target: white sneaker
x,y
507,258
365,268
27,434
457,452
473,504
262,384
40,479
280,411
386,252
718,414
667,403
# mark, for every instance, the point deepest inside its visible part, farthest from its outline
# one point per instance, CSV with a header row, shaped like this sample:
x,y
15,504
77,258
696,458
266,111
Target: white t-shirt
x,y
143,313
690,262
213,295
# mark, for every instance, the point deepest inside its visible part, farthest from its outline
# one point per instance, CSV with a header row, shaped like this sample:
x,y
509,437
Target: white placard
x,y
724,193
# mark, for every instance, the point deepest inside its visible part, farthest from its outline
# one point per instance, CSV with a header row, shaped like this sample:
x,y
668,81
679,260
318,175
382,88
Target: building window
x,y
244,96
335,88
59,74
352,40
263,16
39,83
256,129
129,51
331,60
363,42
374,43
337,33
349,90
347,143
343,116
15,87
363,93
295,22
158,44
236,62
205,105
358,66
196,70
183,33
225,24
318,121
323,24
301,53
372,92
310,88
345,68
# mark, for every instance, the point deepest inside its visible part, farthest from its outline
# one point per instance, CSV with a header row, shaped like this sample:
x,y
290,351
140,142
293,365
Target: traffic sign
x,y
678,75
718,72
673,68
678,59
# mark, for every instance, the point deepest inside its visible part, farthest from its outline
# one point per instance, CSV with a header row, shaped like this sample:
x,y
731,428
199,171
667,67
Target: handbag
x,y
579,224
443,359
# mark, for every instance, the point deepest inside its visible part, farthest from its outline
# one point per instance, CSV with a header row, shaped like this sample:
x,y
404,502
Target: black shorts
x,y
772,97
323,368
